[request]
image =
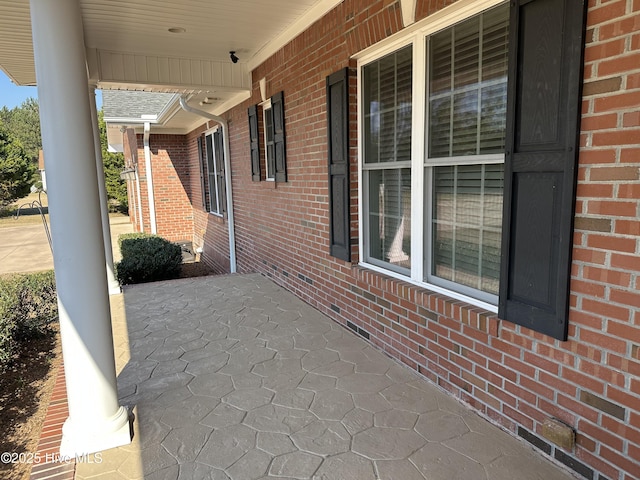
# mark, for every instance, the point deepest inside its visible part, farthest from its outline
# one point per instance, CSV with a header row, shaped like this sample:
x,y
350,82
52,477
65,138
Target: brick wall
x,y
605,322
512,375
172,186
173,183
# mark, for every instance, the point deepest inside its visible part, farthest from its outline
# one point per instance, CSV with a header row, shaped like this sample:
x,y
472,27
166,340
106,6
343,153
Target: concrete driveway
x,y
24,248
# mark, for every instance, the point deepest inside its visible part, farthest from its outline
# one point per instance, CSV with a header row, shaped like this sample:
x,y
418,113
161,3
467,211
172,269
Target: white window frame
x,y
270,176
417,35
215,190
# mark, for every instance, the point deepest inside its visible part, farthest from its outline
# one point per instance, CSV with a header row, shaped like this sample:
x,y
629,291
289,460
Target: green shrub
x,y
147,258
28,308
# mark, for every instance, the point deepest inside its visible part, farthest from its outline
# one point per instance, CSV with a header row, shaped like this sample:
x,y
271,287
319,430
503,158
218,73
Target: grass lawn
x,y
26,208
28,215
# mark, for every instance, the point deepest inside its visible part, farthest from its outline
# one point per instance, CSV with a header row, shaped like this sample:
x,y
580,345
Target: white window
x,y
387,105
215,171
269,145
433,116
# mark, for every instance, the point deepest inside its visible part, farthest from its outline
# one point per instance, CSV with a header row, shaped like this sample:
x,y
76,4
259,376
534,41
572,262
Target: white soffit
x,y
130,44
166,74
16,47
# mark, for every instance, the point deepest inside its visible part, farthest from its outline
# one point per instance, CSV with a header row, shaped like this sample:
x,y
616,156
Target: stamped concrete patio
x,y
233,377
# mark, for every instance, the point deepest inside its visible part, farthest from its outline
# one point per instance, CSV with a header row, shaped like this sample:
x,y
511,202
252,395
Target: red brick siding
x,y
427,7
172,184
605,295
515,376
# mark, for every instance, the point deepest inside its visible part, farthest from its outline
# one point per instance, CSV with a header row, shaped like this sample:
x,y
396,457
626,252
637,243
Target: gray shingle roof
x,y
132,104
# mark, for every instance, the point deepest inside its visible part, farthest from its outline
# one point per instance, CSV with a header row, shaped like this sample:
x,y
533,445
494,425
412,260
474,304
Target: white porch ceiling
x,y
129,46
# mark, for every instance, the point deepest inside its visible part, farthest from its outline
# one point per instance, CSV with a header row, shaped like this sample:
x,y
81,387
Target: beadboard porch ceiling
x,y
130,46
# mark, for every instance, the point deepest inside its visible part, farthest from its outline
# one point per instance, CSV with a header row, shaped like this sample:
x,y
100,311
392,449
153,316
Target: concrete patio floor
x,y
233,377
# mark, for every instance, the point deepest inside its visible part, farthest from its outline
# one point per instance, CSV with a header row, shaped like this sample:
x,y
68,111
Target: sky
x,y
12,96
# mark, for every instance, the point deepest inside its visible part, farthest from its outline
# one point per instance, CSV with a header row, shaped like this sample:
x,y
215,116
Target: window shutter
x,y
277,110
255,143
202,174
544,99
218,148
338,149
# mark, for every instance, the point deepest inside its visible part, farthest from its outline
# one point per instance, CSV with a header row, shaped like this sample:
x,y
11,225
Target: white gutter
x,y
133,120
227,176
147,163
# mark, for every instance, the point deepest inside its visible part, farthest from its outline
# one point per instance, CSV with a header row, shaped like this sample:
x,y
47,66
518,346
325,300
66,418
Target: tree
x,y
23,123
16,169
113,165
5,115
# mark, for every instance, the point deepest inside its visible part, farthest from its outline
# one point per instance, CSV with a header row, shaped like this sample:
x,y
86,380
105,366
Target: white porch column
x,y
96,420
114,286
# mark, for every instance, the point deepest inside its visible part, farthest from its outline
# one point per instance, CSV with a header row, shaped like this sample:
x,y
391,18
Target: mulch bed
x,y
195,269
25,389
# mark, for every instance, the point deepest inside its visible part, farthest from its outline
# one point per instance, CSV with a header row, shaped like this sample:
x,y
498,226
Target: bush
x,y
28,308
147,258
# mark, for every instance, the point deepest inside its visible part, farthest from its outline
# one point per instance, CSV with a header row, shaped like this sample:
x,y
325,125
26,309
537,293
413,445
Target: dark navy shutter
x,y
218,148
277,110
546,42
254,137
338,150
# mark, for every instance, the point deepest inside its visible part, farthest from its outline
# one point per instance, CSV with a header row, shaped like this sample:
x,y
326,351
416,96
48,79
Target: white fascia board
x,y
128,121
169,110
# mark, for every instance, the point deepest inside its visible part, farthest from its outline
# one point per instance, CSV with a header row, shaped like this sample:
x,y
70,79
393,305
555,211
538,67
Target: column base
x,y
114,288
78,440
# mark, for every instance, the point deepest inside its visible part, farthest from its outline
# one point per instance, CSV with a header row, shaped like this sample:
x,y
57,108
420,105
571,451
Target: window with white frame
x,y
274,136
269,145
215,171
442,95
386,90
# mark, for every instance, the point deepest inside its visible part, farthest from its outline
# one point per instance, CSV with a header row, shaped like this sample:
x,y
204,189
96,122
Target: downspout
x,y
147,163
227,176
139,202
